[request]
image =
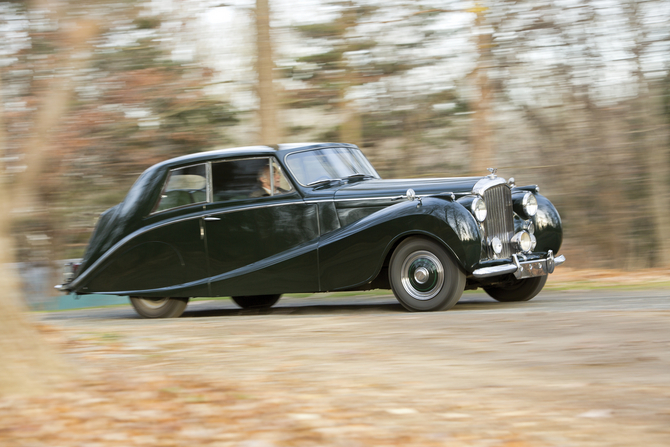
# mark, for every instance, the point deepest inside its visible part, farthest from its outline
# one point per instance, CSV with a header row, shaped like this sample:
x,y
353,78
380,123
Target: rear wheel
x,y
517,290
424,276
159,307
256,302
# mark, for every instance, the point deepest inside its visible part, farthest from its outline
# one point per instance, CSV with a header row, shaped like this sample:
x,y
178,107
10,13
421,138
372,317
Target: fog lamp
x,y
496,245
523,241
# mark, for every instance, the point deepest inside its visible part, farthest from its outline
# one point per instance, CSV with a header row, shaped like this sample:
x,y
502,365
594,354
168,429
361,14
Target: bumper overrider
x,y
529,267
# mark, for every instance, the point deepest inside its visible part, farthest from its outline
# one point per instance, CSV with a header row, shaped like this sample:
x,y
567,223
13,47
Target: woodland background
x,y
573,95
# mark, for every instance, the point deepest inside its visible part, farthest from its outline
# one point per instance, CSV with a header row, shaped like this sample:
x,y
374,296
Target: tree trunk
x,y
266,94
657,164
351,129
28,364
482,154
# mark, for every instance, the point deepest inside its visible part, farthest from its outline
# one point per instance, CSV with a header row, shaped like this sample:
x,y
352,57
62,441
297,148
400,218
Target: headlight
x,y
529,204
523,241
478,208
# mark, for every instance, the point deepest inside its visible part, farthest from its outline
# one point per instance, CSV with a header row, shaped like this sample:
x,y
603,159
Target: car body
x,y
256,222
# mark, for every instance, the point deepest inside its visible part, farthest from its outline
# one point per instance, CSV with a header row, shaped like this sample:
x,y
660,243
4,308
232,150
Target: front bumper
x,y
522,269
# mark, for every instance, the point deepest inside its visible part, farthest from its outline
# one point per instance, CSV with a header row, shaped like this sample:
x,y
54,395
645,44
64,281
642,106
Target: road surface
x,y
574,368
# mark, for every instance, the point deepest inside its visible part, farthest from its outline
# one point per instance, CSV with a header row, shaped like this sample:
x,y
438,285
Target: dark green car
x,y
256,222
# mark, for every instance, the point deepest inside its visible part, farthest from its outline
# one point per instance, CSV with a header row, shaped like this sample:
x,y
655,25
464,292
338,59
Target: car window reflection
x,y
329,163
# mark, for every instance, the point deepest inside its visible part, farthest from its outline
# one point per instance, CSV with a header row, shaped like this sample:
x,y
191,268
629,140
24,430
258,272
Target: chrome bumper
x,y
522,269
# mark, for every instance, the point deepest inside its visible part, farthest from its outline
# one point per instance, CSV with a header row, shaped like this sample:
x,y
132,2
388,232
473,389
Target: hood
x,y
425,186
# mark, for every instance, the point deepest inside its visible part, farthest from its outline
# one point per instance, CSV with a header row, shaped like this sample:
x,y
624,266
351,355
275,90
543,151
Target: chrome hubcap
x,y
422,275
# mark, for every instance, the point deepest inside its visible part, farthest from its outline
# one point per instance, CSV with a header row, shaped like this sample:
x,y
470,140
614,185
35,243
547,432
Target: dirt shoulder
x,y
579,279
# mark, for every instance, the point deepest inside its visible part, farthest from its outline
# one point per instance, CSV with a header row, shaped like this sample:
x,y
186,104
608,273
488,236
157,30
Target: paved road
x,y
471,302
578,368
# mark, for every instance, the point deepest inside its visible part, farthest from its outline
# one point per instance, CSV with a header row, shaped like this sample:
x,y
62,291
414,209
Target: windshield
x,y
335,163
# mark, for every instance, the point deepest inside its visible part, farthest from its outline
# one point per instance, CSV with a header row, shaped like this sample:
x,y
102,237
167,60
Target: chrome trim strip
x,y
254,207
210,190
351,199
390,198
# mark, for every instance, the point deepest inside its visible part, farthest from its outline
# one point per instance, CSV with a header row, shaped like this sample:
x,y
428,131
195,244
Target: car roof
x,y
279,150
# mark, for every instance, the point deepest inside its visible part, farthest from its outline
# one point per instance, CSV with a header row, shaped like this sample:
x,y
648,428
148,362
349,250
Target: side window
x,y
184,186
243,179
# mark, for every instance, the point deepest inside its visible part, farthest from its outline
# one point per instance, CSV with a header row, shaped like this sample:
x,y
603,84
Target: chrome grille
x,y
499,220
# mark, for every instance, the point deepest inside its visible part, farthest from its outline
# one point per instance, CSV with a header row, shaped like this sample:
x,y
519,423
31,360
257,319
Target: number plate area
x,y
531,269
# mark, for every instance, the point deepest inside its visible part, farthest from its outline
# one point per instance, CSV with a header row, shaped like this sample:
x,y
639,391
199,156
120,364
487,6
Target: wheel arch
x,y
393,245
441,281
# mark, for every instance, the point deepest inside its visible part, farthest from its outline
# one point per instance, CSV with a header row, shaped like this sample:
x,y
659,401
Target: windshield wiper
x,y
358,175
323,181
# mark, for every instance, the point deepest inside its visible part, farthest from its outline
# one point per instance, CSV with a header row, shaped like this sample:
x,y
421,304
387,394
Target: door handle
x,y
211,219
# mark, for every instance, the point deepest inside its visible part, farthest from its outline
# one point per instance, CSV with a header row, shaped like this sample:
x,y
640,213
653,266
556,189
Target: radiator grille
x,y
499,221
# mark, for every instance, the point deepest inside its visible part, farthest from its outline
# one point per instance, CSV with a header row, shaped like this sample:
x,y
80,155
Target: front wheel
x,y
256,302
424,276
159,307
517,290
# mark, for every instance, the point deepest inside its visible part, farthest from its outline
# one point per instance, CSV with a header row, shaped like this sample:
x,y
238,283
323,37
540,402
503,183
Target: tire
x,y
159,307
518,290
256,302
424,276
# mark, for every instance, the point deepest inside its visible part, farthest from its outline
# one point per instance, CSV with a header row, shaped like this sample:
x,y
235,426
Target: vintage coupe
x,y
255,222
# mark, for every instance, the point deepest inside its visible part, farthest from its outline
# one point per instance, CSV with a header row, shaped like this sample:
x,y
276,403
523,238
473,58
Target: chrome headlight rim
x,y
478,209
529,203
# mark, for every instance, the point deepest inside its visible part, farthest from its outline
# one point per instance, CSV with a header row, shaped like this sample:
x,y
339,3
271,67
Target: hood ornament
x,y
493,172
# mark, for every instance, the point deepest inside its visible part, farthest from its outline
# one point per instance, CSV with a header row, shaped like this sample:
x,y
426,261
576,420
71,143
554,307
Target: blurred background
x,y
573,95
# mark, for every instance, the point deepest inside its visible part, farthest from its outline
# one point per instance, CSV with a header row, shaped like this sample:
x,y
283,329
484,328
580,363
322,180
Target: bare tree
x,y
28,364
270,133
482,152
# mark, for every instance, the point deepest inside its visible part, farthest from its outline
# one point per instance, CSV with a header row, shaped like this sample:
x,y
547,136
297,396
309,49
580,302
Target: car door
x,y
261,236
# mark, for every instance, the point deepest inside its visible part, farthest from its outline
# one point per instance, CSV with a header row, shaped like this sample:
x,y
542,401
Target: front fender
x,y
354,255
548,226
